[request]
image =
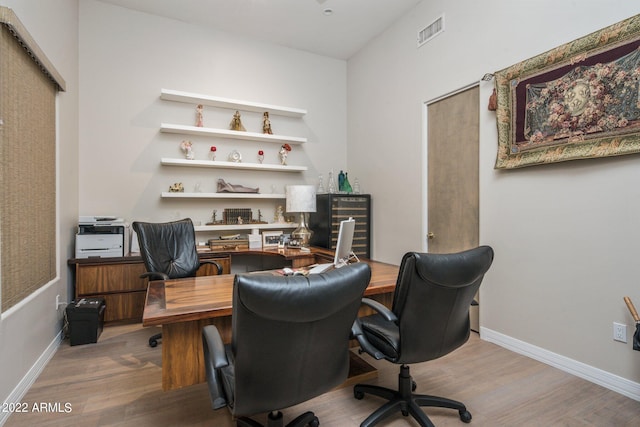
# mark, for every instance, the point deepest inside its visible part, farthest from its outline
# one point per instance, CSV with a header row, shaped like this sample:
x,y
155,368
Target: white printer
x,y
102,237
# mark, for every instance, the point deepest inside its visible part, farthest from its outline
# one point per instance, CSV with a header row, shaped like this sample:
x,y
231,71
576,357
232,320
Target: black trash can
x,y
85,319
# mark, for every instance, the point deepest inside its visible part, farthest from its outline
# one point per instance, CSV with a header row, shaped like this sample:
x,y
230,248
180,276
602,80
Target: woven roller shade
x,y
28,172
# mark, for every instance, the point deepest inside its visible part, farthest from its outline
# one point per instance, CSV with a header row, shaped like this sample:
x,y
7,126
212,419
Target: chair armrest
x,y
356,332
380,309
215,358
214,346
217,265
154,275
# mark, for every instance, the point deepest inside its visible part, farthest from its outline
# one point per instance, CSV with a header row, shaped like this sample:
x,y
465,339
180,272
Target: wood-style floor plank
x,y
117,382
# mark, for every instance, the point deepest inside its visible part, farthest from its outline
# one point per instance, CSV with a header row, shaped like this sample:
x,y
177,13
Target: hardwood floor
x,y
117,382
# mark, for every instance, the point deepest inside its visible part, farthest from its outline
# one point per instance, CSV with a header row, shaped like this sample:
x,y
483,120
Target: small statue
x,y
214,215
266,123
199,121
176,188
185,146
279,217
236,123
224,187
284,151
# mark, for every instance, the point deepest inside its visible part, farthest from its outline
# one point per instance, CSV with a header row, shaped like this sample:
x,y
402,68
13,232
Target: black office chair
x,y
169,251
429,319
290,342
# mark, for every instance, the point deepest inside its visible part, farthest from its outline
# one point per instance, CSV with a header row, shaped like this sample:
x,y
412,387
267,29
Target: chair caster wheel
x,y
465,416
358,395
314,422
153,343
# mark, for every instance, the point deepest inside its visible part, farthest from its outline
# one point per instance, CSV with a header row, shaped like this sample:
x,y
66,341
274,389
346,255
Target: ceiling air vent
x,y
431,30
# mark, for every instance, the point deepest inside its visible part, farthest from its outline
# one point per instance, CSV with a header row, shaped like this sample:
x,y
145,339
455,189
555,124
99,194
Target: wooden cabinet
x,y
118,281
333,208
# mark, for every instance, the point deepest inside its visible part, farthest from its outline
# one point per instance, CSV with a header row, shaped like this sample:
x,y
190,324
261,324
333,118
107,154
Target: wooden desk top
x,y
205,252
182,300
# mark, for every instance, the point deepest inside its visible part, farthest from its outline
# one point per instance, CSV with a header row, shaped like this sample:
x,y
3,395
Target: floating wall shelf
x,y
231,134
175,195
245,227
232,104
231,165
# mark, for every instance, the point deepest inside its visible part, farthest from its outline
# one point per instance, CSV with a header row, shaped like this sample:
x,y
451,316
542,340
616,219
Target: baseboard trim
x,y
27,381
598,376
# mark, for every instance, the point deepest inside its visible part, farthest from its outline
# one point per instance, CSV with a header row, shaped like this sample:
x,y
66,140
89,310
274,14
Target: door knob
x,y
430,235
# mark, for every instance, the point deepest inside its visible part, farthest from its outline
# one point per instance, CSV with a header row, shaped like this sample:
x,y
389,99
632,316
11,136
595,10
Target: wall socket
x,y
619,332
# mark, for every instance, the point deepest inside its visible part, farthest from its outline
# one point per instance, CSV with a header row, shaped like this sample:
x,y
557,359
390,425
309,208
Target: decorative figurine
x,y
236,123
224,187
212,152
176,188
279,217
185,146
199,122
235,156
284,151
266,123
260,156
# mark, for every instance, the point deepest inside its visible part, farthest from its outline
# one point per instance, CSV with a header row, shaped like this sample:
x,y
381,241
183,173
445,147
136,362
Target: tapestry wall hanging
x,y
577,101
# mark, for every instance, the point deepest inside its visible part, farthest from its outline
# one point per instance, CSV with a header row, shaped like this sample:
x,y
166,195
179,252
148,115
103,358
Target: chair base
x,y
153,341
275,419
405,401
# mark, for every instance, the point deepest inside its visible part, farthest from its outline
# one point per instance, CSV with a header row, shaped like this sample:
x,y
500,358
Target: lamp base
x,y
302,234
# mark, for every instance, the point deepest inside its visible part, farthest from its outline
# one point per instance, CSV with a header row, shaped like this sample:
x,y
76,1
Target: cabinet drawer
x,y
107,278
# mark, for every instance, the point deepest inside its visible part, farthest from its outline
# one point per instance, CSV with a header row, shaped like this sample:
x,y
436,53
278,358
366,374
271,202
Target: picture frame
x,y
580,100
271,239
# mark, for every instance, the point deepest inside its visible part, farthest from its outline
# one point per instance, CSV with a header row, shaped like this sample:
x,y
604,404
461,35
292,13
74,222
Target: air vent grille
x,y
431,30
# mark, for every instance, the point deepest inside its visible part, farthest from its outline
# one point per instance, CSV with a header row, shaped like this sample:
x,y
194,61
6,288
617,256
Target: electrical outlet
x,y
619,332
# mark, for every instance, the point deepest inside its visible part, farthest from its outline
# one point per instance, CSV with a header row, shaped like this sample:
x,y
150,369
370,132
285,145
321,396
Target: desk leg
x,y
182,354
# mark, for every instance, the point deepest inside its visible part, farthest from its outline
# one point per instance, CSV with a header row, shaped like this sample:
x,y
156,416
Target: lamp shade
x,y
301,198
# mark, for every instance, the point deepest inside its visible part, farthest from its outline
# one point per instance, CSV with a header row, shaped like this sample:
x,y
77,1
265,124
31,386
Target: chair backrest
x,y
432,299
291,335
168,247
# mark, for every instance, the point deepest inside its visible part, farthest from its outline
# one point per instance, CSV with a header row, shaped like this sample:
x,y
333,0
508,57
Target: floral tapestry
x,y
580,100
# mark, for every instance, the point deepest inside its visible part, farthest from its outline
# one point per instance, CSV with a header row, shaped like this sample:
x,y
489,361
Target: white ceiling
x,y
299,24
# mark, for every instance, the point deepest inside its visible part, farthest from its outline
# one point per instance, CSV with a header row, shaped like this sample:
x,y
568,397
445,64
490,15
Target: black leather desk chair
x,y
168,250
429,319
290,342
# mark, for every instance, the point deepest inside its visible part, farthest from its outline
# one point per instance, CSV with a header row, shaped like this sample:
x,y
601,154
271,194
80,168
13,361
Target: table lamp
x,y
301,199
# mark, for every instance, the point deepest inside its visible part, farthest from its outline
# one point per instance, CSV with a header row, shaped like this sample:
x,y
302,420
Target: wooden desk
x,y
184,306
118,281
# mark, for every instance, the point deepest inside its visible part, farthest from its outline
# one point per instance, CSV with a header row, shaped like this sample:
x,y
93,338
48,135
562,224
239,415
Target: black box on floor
x,y
85,319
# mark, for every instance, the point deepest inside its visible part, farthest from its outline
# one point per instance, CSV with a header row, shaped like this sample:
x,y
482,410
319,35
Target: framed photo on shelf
x,y
270,239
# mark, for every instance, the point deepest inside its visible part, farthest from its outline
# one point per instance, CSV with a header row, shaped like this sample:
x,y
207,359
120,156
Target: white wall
x,y
127,57
30,331
566,236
